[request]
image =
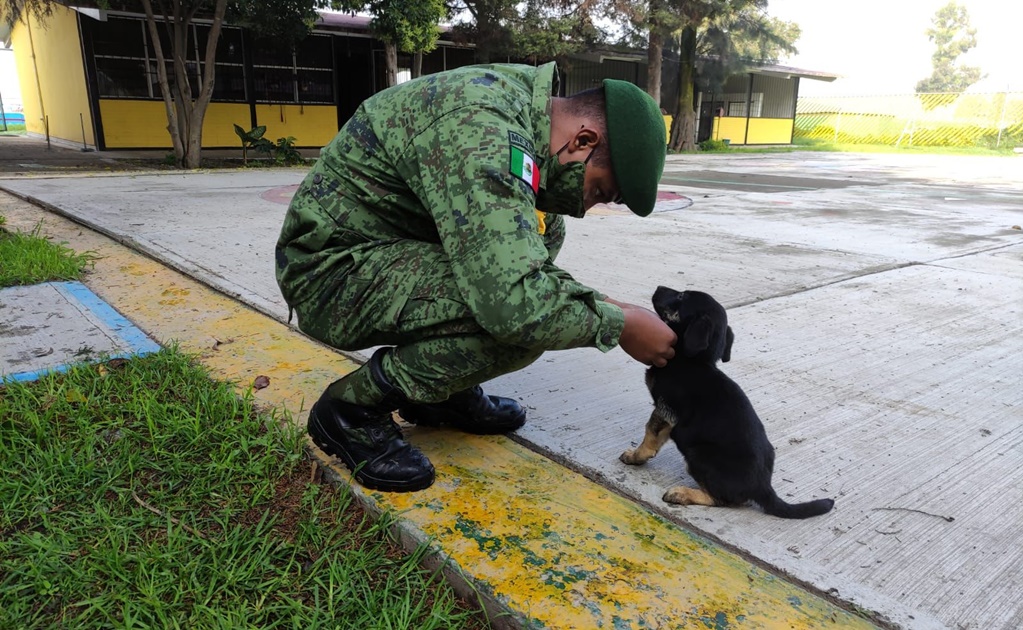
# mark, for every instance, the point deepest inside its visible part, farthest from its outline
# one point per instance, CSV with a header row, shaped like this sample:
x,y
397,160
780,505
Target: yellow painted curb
x,y
544,545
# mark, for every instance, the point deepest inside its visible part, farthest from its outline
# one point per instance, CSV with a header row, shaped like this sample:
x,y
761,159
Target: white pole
x,y
1001,118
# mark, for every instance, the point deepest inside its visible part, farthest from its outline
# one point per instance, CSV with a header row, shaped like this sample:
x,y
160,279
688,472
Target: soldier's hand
x,y
645,337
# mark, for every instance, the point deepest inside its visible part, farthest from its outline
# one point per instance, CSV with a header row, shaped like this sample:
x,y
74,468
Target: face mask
x,y
564,191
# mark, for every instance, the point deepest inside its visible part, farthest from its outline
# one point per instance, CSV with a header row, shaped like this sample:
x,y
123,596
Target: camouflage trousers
x,y
402,293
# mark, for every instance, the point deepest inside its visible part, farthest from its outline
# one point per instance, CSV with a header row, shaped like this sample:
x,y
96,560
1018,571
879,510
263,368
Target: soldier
x,y
416,231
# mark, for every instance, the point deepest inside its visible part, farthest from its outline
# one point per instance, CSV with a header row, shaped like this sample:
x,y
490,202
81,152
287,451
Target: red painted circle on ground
x,y
281,194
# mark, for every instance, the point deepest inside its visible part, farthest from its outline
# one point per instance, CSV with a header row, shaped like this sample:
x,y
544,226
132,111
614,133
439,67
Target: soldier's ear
x,y
586,138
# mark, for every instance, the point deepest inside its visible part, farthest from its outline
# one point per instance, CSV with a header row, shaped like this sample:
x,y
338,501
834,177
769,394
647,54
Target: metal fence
x,y
948,120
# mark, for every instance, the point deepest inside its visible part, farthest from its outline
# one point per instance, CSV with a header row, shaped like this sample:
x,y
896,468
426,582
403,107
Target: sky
x,y
10,93
881,46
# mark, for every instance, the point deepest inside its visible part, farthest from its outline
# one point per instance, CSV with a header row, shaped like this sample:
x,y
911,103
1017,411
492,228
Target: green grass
x,y
143,494
13,128
809,144
31,259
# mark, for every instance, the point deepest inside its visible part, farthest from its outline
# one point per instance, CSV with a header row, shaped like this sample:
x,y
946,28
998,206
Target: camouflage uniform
x,y
414,230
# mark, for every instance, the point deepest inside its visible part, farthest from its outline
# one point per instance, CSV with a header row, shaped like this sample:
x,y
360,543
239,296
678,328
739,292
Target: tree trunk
x,y
185,116
654,52
197,108
683,128
417,65
161,75
483,34
391,64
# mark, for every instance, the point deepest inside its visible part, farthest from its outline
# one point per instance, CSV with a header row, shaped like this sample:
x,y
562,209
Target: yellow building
x,y
89,76
758,107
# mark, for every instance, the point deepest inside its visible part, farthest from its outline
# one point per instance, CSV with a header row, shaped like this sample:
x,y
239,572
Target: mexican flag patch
x,y
523,167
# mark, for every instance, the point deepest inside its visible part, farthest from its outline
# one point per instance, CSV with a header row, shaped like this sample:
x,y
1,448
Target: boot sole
x,y
335,449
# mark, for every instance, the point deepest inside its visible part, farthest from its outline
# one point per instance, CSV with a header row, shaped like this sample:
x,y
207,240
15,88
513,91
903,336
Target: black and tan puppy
x,y
708,415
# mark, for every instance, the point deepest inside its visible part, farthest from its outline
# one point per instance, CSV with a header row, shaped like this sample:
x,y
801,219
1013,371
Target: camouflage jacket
x,y
453,158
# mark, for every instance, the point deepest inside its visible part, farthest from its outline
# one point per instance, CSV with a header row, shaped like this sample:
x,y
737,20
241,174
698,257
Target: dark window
x,y
229,79
304,75
315,86
229,83
126,65
275,85
119,38
122,77
315,52
266,54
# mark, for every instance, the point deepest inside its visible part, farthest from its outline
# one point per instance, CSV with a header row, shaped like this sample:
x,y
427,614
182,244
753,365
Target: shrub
x,y
713,145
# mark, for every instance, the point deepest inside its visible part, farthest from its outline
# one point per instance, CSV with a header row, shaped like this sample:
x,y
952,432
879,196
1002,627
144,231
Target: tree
x,y
489,27
280,23
713,39
410,26
653,23
12,11
185,113
547,30
185,108
713,44
952,36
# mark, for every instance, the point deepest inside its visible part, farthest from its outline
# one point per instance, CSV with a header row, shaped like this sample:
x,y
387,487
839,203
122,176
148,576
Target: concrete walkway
x,y
876,302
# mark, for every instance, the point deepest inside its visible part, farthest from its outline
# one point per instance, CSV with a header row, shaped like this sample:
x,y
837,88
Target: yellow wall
x,y
770,131
143,124
732,129
761,130
218,127
311,125
58,91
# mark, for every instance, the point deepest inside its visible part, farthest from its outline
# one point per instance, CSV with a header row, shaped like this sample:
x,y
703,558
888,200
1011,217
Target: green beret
x,y
637,142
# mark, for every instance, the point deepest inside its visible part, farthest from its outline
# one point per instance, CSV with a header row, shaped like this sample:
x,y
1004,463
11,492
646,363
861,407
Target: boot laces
x,y
386,431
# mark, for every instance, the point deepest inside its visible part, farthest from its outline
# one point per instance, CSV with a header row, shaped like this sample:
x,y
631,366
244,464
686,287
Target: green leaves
x,y
250,137
952,36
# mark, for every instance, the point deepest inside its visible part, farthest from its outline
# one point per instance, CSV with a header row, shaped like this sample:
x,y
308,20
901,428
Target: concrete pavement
x,y
877,306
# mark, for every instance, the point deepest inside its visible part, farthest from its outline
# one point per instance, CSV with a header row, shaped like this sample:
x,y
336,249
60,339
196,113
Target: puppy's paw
x,y
633,457
681,495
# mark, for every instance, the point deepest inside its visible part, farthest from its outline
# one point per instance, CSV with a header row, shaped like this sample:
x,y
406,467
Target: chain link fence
x,y
993,120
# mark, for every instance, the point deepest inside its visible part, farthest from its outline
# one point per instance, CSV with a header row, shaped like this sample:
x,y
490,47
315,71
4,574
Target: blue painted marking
x,y
127,332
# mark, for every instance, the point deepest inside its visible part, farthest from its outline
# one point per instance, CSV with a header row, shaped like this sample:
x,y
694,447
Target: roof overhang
x,y
771,70
788,72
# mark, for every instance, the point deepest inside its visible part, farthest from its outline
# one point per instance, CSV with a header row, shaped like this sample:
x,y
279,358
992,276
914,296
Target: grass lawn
x,y
813,144
31,259
823,145
141,493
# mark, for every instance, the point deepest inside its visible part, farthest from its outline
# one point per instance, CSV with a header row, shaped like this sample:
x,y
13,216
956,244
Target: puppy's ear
x,y
729,338
697,336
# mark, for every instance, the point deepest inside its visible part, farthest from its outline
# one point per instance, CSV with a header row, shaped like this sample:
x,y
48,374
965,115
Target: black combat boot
x,y
367,439
471,411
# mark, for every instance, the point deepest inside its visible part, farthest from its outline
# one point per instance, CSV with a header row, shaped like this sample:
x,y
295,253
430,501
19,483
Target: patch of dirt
x,y
27,155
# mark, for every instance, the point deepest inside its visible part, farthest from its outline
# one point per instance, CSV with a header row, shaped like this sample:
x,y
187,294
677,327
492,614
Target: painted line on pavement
x,y
125,331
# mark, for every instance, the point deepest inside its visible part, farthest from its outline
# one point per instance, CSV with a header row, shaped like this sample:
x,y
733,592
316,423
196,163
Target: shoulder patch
x,y
521,163
519,140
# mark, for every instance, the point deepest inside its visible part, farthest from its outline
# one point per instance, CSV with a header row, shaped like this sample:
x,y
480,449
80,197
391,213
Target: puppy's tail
x,y
775,506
